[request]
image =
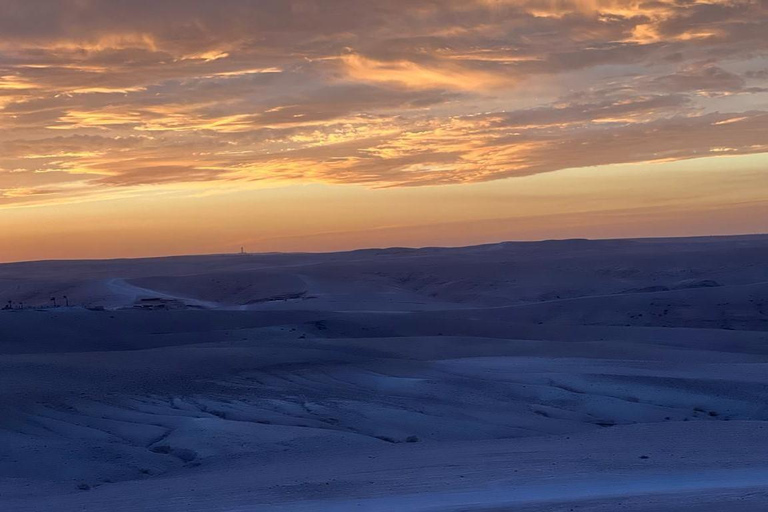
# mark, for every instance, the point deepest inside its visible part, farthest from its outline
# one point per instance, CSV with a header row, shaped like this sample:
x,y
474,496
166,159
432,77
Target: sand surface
x,y
627,375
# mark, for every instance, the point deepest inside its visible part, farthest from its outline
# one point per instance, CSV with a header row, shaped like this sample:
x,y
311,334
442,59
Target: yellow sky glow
x,y
188,126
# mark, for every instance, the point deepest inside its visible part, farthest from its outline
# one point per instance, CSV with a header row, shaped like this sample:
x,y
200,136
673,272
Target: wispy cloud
x,y
103,94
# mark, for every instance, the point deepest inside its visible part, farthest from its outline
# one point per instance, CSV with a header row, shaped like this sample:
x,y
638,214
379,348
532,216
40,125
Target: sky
x,y
154,127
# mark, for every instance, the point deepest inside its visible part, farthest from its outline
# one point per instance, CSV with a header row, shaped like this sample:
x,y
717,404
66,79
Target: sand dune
x,y
606,375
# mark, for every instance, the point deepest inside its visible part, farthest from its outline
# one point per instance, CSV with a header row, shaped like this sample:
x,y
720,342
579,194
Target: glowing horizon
x,y
186,126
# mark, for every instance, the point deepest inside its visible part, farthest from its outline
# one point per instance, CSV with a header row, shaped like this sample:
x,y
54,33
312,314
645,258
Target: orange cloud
x,y
421,76
104,94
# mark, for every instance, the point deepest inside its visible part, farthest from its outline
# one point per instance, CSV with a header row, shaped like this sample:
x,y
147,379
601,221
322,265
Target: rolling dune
x,y
435,379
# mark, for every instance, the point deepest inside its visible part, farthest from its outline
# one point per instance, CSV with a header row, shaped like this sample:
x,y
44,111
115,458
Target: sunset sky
x,y
155,127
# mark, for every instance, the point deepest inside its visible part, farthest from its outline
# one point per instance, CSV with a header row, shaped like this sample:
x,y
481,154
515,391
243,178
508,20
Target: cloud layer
x,y
99,95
